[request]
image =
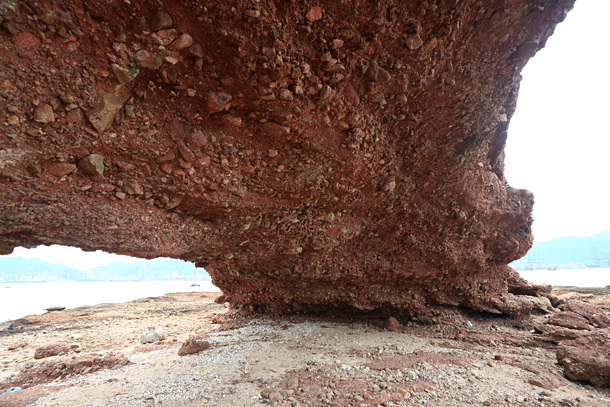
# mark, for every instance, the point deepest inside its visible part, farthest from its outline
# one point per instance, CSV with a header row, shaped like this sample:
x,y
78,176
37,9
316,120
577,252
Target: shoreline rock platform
x,y
245,359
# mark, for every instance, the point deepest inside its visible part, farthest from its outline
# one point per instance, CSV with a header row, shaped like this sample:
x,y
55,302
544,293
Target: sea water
x,y
18,300
577,277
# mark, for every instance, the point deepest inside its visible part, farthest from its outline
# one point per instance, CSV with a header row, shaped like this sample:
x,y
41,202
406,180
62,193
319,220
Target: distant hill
x,y
567,250
18,264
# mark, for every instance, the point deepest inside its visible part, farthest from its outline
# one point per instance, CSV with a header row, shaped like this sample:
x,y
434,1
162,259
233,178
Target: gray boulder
x,y
152,335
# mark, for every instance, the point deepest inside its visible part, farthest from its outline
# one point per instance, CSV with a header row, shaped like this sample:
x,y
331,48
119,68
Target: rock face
x,y
569,320
587,359
47,371
590,312
306,154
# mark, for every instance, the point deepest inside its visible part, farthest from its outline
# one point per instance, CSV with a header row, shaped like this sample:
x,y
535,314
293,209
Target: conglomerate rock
x,y
587,359
325,153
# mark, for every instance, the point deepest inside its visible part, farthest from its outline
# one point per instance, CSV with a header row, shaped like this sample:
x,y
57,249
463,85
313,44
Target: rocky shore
x,y
212,355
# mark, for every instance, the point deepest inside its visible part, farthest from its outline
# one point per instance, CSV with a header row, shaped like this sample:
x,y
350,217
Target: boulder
x,y
152,335
377,73
218,101
191,346
587,359
591,312
391,324
51,349
314,14
275,130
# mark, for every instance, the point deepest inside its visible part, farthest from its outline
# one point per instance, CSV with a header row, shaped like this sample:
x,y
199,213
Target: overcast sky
x,y
558,144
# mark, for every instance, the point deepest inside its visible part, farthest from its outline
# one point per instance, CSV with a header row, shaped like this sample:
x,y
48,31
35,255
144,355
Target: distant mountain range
x,y
18,264
10,265
569,250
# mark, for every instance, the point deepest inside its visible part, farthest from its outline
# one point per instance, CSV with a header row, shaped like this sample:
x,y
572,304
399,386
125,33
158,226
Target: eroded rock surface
x,y
51,349
305,154
48,371
587,359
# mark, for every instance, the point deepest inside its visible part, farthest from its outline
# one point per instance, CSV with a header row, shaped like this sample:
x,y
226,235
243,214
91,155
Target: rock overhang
x,y
308,155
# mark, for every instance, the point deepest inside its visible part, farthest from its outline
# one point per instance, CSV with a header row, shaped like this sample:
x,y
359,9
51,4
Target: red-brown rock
x,y
275,130
48,371
591,312
569,320
389,192
391,324
26,40
218,101
586,359
600,320
44,114
191,346
61,169
351,95
51,349
314,14
102,116
17,345
159,20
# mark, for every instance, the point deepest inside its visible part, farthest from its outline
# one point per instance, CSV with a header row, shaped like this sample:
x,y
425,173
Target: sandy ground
x,y
301,360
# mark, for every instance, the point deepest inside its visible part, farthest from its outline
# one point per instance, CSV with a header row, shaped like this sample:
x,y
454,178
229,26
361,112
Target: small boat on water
x,y
195,285
577,266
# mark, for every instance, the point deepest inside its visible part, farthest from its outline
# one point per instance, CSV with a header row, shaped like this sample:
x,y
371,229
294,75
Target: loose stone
x,y
93,164
159,20
44,113
182,42
148,60
61,169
